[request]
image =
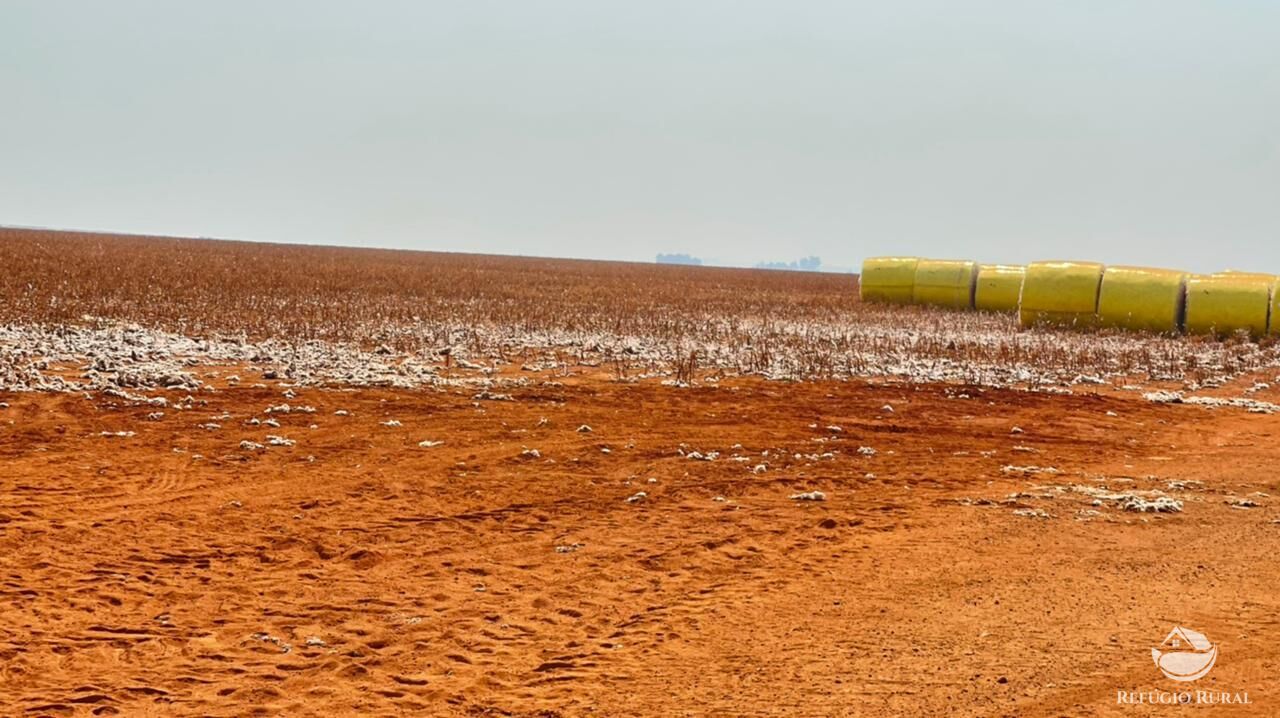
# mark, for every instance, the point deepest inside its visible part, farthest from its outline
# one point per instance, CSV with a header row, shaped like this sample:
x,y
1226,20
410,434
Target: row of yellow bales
x,y
1083,294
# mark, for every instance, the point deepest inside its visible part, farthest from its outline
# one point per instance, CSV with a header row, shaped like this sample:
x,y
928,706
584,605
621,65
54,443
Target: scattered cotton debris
x,y
1174,397
1030,470
1161,504
809,496
268,638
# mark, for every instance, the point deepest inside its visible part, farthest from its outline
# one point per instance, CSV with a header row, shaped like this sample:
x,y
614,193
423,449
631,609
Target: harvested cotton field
x,y
316,314
246,479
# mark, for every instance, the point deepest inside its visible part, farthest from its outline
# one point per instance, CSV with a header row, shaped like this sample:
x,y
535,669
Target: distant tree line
x,y
679,259
804,264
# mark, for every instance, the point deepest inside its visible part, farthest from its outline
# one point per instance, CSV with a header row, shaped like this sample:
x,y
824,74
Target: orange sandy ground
x,y
133,577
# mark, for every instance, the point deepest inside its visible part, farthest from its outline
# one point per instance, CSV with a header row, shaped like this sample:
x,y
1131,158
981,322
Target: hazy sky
x,y
1127,132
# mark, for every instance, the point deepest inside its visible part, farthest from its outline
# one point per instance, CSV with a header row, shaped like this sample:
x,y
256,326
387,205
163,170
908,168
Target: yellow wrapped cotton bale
x,y
887,279
1275,308
945,283
999,286
1063,293
1272,281
1225,303
1142,299
1240,274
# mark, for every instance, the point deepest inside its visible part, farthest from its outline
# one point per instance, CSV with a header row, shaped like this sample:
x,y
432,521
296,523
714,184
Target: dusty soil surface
x,y
173,572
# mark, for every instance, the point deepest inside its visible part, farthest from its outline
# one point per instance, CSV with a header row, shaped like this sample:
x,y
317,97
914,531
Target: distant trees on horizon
x,y
679,259
804,264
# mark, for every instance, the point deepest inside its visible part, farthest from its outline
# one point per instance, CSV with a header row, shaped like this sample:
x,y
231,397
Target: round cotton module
x,y
1274,316
999,287
1239,274
1060,293
1223,304
1142,299
945,283
887,280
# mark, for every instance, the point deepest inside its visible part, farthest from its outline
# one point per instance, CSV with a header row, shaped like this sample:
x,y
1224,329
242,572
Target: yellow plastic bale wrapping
x,y
1225,303
1064,293
1271,280
1239,274
1142,299
945,283
999,286
1275,308
887,279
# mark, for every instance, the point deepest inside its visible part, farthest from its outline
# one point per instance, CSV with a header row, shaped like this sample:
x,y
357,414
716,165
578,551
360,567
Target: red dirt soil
x,y
167,573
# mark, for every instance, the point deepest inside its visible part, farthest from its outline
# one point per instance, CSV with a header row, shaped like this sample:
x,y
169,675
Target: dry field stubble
x,y
632,319
269,480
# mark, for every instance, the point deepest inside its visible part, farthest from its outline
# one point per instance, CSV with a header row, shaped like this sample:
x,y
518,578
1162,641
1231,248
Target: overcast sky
x,y
740,131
